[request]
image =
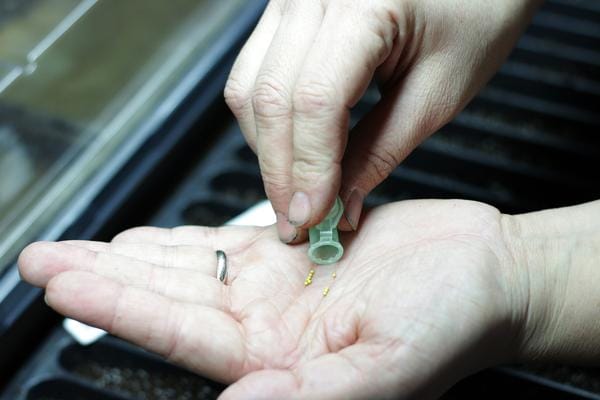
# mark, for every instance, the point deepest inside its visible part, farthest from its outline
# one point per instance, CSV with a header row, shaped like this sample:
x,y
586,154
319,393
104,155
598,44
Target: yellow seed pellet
x,y
334,275
326,291
310,275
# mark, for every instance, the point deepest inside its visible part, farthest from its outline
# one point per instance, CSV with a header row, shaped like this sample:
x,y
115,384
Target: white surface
x,y
82,333
261,214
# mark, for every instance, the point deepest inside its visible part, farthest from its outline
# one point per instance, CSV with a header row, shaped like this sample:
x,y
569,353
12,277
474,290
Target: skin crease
x,y
415,306
309,62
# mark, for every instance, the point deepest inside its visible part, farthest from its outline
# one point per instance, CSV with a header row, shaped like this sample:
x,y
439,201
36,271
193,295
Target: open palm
x,y
421,297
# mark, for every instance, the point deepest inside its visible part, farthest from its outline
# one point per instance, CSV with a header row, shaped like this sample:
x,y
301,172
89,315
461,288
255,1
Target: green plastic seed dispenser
x,y
325,246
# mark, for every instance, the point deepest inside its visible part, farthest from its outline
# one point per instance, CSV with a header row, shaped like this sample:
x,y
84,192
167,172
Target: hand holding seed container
x,y
325,247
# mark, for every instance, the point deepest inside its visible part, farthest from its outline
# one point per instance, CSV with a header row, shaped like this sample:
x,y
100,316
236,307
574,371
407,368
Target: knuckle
x,y
381,163
383,24
387,18
270,99
237,97
273,176
276,184
209,235
128,234
313,97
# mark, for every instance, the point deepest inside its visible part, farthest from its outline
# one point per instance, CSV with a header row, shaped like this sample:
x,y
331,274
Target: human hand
x,y
309,62
426,293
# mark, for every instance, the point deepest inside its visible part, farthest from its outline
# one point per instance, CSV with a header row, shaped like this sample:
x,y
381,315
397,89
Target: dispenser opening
x,y
327,254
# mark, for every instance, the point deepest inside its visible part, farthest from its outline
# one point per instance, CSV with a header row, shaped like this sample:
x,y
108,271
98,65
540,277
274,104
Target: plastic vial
x,y
325,246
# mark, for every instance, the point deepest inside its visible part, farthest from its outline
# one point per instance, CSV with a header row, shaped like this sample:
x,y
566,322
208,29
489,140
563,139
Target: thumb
x,y
406,115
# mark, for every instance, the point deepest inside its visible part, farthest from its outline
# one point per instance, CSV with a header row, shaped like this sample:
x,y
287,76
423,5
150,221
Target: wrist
x,y
534,292
556,255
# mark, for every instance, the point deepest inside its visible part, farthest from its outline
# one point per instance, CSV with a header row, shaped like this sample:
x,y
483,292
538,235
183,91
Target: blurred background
x,y
76,79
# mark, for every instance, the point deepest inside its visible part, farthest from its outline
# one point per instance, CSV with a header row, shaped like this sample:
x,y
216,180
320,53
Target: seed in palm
x,y
308,279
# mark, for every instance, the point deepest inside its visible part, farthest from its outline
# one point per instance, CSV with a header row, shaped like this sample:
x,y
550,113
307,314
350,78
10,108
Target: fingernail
x,y
353,208
46,299
287,232
299,212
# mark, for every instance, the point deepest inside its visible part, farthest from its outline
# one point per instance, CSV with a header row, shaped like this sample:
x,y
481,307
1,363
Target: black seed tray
x,y
109,369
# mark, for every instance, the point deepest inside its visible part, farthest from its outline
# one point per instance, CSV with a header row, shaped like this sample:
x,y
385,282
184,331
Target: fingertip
x,y
55,290
301,236
131,235
344,225
76,294
35,263
25,262
315,192
353,208
300,209
310,209
31,249
286,231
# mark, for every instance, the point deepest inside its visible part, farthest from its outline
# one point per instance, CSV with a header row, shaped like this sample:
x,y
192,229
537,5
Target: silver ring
x,y
221,266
